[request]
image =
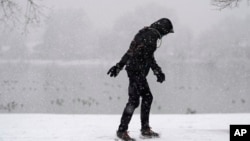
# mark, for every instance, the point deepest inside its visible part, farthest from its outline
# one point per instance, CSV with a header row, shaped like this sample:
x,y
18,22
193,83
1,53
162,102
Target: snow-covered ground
x,y
47,127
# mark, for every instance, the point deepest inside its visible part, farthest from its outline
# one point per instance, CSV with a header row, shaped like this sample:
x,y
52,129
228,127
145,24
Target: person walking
x,y
139,59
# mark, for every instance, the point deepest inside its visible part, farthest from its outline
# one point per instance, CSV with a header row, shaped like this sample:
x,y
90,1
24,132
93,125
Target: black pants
x,y
138,87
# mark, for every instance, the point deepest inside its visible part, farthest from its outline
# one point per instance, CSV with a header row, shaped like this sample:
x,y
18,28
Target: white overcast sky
x,y
198,15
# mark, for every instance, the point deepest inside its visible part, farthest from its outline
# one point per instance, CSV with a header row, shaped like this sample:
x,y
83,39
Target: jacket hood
x,y
164,26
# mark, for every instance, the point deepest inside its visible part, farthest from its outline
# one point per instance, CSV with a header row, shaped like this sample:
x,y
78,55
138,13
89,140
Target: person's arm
x,y
130,53
157,71
155,67
114,71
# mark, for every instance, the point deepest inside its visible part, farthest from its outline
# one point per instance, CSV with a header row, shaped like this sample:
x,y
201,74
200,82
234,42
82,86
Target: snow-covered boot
x,y
148,133
124,136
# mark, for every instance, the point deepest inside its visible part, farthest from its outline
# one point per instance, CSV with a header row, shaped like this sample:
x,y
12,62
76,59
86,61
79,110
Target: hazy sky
x,y
198,15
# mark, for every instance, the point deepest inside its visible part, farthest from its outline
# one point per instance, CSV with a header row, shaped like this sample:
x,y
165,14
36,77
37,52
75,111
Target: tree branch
x,y
9,13
13,13
222,4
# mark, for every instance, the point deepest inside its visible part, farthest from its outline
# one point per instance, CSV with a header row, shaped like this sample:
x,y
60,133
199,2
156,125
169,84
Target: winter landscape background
x,y
53,69
60,65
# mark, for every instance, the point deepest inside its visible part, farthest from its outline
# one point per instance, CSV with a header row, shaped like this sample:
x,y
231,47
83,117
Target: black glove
x,y
114,71
160,77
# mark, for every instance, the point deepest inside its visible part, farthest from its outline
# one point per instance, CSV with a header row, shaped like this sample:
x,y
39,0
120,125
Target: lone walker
x,y
138,60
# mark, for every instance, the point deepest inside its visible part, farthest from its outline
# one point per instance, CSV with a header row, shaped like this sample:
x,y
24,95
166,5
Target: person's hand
x,y
160,77
114,71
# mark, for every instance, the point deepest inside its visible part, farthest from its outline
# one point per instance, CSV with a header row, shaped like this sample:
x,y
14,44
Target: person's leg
x,y
133,103
147,99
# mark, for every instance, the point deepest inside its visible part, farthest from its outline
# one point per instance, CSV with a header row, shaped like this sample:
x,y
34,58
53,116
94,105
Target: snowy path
x,y
42,127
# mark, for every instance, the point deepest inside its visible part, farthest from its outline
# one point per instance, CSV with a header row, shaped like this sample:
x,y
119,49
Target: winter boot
x,y
124,136
148,133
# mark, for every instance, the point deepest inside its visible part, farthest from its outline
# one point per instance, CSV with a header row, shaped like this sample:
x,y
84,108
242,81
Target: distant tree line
x,y
26,12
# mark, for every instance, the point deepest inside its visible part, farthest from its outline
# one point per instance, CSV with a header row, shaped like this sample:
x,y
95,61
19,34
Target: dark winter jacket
x,y
140,56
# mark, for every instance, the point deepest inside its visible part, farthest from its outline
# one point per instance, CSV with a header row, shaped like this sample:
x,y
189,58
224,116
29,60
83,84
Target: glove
x,y
114,71
160,77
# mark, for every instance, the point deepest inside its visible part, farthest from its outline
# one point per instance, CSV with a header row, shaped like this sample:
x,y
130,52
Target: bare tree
x,y
14,13
222,4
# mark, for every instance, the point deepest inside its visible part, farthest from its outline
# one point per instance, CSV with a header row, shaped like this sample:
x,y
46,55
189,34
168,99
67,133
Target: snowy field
x,y
49,127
